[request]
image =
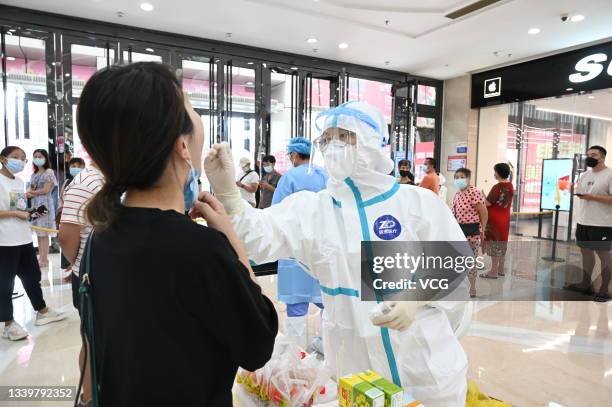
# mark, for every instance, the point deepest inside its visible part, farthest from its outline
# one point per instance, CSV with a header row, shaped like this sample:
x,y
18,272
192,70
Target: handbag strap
x,y
87,311
245,174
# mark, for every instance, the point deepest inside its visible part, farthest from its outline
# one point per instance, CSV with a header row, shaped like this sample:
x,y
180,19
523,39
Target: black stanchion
x,y
554,243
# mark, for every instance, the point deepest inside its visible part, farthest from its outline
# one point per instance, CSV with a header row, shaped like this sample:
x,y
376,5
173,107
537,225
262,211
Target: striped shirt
x,y
82,188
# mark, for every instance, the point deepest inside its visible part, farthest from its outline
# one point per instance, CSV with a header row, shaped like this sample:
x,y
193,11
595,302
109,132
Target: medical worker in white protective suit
x,y
415,345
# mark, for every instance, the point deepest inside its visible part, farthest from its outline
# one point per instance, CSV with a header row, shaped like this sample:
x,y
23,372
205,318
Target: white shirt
x,y
82,188
13,231
592,213
251,178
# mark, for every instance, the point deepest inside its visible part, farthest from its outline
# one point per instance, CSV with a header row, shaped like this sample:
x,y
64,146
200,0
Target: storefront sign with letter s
x,y
590,67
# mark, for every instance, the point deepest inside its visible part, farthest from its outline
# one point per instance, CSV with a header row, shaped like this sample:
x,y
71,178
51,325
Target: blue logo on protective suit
x,y
387,227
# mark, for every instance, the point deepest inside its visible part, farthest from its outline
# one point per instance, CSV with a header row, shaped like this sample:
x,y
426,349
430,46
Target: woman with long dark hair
x,y
161,283
41,186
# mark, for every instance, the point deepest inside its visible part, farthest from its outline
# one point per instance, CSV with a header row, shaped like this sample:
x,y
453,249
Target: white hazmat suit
x,y
324,231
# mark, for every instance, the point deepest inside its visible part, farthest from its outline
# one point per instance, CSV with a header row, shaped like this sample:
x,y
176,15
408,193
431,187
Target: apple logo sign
x,y
492,87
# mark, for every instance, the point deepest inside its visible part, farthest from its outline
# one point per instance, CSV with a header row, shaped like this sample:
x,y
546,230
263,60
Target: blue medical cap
x,y
299,145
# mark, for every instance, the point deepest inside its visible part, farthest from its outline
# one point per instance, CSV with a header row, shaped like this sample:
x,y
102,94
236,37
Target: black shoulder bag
x,y
470,229
87,325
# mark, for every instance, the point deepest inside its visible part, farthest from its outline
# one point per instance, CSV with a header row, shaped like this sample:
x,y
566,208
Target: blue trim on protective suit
x,y
382,197
340,291
365,231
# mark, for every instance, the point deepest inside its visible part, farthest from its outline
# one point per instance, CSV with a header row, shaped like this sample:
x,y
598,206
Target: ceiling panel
x,y
403,35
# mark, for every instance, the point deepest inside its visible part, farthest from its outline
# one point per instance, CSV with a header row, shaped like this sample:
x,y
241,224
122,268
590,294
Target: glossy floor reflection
x,y
528,353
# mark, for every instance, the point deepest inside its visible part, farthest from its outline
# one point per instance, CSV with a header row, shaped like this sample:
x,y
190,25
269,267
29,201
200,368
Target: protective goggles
x,y
336,137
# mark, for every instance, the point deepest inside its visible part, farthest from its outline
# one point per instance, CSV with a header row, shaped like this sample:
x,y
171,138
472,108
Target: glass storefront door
x,y
143,53
239,111
523,135
296,99
24,104
86,58
197,74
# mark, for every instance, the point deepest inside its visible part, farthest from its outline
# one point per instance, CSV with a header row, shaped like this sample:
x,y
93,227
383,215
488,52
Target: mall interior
x,y
469,83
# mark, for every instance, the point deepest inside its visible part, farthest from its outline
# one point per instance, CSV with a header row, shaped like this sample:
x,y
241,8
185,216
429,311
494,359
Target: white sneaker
x,y
48,317
14,332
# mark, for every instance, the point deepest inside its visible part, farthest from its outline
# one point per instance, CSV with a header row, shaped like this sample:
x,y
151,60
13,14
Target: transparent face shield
x,y
351,140
338,147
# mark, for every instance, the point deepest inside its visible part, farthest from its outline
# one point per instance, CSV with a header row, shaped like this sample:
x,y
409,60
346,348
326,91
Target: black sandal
x,y
577,289
605,297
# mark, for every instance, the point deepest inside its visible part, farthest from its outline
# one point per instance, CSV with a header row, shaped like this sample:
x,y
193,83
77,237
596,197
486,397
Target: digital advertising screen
x,y
556,184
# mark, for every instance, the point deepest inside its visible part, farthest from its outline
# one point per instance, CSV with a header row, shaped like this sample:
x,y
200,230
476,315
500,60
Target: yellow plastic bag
x,y
477,399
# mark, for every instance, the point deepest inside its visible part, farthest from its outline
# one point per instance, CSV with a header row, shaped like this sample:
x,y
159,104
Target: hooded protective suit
x,y
324,231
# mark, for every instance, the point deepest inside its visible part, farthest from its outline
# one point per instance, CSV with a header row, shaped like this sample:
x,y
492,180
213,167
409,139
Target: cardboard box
x,y
355,392
394,395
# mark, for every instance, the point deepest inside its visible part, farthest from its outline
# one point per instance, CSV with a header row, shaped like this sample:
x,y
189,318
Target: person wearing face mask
x,y
431,180
248,181
75,165
296,288
17,255
594,218
471,213
414,344
41,186
268,182
162,284
499,205
74,228
406,176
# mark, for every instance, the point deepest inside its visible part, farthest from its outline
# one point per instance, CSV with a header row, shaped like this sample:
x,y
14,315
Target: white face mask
x,y
267,168
340,161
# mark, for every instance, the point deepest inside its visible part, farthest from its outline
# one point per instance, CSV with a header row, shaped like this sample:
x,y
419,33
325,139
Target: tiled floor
x,y
528,353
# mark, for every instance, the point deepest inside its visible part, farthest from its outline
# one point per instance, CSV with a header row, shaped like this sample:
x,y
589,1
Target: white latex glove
x,y
399,315
219,169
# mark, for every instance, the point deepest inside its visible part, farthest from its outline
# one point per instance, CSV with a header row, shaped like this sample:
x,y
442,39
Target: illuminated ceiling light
x,y
10,58
569,89
544,109
12,30
343,45
249,83
67,75
294,68
312,40
250,63
533,31
146,6
149,50
576,18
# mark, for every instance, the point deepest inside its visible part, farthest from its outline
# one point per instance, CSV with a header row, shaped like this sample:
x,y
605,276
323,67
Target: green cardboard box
x,y
394,395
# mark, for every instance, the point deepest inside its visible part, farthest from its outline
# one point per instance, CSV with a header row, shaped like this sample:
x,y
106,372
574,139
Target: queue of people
x,y
199,302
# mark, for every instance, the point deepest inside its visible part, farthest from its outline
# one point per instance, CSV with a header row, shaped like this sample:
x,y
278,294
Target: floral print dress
x,y
38,182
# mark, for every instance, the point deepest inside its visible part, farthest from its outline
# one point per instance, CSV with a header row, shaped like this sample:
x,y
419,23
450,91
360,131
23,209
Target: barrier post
x,y
554,242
